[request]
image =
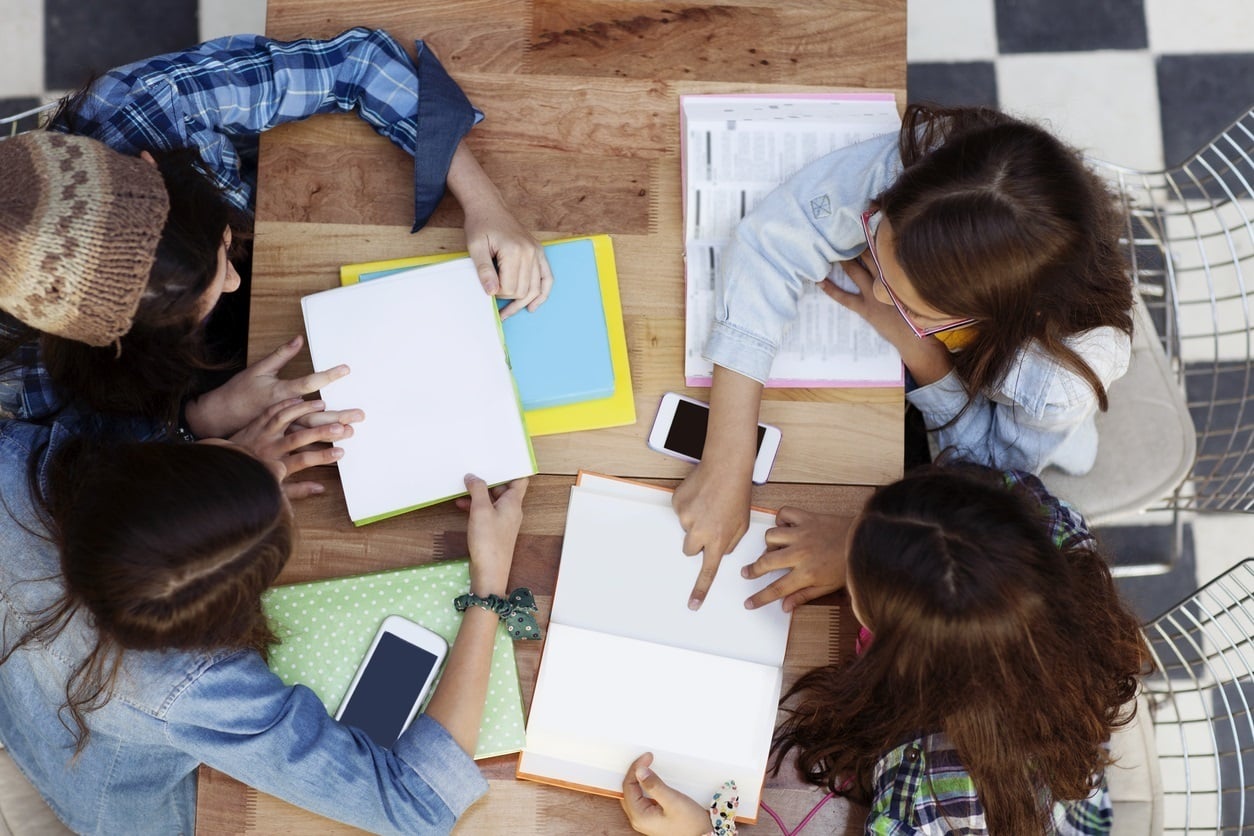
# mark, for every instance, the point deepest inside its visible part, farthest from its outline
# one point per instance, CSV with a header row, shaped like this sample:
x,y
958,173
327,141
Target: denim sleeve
x,y
239,718
793,236
1041,414
246,84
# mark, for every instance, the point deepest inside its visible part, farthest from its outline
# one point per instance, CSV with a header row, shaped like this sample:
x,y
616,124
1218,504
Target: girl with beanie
x,y
197,114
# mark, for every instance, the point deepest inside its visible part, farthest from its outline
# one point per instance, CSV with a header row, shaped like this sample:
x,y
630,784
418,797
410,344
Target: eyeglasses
x,y
901,309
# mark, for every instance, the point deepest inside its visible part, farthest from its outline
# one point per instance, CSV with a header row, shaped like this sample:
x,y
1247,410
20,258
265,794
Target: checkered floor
x,y
1138,82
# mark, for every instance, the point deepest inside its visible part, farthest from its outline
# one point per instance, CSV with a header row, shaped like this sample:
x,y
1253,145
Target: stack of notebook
x,y
569,356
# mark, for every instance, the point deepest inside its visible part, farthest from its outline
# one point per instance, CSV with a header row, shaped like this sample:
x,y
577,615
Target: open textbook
x,y
628,668
737,149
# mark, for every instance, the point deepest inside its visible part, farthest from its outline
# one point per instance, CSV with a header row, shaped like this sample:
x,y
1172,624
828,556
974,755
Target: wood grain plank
x,y
486,35
789,43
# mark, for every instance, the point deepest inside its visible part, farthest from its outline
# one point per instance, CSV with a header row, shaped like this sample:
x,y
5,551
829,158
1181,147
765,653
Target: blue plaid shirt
x,y
219,96
921,788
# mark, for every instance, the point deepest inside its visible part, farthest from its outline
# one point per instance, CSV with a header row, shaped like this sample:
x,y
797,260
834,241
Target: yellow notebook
x,y
614,411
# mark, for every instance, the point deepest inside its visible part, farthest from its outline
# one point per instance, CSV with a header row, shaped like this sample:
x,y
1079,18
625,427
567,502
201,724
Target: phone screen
x,y
688,428
388,687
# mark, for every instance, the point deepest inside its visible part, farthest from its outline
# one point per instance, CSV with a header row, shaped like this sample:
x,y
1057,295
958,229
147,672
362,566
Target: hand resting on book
x,y
220,412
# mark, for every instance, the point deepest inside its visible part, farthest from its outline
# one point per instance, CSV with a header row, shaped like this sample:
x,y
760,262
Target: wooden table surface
x,y
581,136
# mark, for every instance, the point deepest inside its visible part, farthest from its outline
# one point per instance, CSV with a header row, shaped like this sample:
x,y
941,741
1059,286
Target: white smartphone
x,y
679,431
393,680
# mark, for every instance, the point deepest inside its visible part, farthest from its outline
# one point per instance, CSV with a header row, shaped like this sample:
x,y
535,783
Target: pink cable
x,y
804,821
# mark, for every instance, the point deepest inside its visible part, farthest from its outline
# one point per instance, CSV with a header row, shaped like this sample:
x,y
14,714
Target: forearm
x,y
730,439
457,704
469,183
458,701
926,358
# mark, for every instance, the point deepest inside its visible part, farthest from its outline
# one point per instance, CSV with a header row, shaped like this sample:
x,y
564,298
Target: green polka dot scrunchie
x,y
515,612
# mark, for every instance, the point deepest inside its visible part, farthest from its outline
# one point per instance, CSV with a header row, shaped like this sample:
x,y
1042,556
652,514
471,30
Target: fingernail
x,y
749,605
317,404
744,571
317,488
294,341
337,429
337,453
694,604
644,774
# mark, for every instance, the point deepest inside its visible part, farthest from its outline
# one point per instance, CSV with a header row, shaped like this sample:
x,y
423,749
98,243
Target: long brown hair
x,y
1022,654
164,547
996,219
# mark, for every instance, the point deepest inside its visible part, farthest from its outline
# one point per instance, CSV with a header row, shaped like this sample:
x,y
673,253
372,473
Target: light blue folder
x,y
560,354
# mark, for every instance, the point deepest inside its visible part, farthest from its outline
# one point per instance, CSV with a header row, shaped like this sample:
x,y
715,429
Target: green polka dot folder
x,y
326,628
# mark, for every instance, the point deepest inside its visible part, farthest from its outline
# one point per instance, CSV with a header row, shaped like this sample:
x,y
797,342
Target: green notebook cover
x,y
326,628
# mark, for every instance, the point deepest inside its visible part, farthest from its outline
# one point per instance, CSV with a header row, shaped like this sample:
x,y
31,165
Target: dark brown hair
x,y
165,547
156,365
994,218
157,362
1022,654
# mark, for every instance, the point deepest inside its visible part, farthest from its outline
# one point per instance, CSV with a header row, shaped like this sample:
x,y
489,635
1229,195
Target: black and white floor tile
x,y
1140,83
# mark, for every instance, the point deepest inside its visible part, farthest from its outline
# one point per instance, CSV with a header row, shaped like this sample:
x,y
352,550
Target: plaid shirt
x,y
921,788
219,96
224,93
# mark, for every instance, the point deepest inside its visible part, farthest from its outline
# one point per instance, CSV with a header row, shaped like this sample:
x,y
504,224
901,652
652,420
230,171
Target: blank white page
x,y
430,371
601,701
623,571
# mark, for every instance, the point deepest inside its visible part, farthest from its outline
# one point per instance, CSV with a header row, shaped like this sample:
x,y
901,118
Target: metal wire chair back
x,y
1190,238
1200,699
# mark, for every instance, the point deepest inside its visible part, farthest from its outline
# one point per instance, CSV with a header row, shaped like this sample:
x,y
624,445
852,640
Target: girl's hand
x,y
655,809
491,532
884,318
926,357
521,271
814,550
272,439
713,508
220,412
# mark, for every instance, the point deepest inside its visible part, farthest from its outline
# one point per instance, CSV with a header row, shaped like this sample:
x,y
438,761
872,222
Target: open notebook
x,y
429,368
628,668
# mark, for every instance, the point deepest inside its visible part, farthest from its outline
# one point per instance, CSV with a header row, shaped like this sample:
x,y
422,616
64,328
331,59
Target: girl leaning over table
x,y
982,248
134,643
998,662
152,245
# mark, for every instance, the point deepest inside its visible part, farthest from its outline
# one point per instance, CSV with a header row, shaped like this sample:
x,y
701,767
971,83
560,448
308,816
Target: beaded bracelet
x,y
516,611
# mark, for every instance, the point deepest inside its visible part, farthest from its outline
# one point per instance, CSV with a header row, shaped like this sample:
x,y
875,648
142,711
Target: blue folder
x,y
560,353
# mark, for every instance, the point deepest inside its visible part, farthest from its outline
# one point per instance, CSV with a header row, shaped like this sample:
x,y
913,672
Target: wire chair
x,y
1191,241
1179,435
27,120
1200,701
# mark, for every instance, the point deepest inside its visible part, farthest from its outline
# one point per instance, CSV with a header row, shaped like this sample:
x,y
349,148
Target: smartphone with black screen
x,y
393,680
680,427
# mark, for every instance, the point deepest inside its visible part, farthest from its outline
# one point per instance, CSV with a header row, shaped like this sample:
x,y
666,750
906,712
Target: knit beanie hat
x,y
79,227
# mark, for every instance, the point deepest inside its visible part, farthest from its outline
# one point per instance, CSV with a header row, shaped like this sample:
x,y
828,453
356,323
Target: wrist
x,y
192,417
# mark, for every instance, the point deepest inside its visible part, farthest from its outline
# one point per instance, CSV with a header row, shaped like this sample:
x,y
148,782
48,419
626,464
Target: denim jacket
x,y
171,711
1041,414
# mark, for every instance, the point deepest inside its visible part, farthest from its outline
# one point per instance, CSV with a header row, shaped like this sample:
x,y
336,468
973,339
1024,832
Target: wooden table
x,y
581,136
